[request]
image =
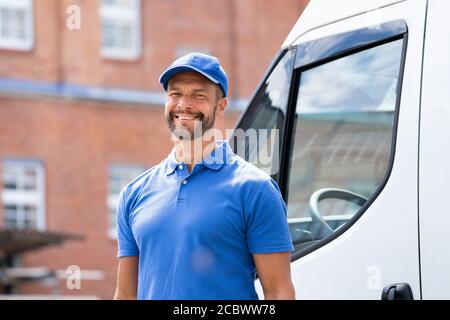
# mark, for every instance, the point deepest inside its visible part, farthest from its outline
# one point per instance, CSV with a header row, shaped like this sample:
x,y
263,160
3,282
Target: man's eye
x,y
174,94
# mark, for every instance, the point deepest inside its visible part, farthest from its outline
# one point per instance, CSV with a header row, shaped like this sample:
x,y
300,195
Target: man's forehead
x,y
190,77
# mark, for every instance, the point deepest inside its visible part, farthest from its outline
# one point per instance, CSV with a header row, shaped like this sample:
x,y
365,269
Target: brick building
x,y
81,109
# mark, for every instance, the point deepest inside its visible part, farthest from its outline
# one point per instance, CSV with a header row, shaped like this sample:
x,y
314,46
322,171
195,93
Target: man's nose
x,y
184,103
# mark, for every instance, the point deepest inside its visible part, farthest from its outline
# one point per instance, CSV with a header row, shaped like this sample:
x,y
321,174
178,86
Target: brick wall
x,y
244,35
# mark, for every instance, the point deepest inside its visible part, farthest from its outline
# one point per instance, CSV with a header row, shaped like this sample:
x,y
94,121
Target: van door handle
x,y
397,291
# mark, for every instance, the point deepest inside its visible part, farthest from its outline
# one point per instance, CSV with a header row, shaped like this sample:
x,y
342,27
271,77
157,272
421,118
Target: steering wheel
x,y
324,228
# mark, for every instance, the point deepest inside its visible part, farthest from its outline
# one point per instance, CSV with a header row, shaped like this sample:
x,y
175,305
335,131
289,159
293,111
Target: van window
x,y
258,136
342,139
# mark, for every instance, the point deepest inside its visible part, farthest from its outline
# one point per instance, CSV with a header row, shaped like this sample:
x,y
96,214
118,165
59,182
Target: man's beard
x,y
200,125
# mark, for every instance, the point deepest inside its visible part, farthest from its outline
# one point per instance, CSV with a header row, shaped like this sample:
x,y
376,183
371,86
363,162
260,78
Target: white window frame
x,y
28,197
26,44
118,13
112,198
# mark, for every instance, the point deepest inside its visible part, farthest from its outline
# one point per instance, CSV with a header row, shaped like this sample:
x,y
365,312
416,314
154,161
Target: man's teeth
x,y
186,118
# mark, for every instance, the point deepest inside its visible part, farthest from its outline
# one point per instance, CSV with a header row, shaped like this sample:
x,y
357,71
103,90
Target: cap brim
x,y
170,72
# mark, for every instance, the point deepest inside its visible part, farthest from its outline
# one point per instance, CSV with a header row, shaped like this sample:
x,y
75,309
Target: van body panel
x,y
434,170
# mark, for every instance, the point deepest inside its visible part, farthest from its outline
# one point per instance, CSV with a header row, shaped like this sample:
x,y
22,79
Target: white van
x,y
360,96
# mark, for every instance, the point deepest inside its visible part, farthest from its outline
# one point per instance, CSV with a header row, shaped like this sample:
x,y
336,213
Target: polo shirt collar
x,y
171,163
214,161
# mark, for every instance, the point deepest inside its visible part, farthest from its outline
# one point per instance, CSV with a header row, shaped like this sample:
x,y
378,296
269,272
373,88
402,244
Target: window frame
x,y
248,116
309,55
112,198
33,197
132,14
26,44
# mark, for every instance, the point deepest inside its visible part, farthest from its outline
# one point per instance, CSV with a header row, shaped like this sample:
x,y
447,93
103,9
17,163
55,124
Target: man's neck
x,y
193,151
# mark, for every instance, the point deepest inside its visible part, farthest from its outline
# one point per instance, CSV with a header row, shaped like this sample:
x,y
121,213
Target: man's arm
x,y
127,279
274,271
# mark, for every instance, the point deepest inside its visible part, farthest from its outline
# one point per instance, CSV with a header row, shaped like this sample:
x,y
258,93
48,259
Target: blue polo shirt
x,y
195,232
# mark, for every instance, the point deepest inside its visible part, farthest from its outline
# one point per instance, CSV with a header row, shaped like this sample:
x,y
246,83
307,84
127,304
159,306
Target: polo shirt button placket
x,y
182,192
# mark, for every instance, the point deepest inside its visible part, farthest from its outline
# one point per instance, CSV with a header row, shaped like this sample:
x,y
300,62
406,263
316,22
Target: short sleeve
x,y
127,246
267,226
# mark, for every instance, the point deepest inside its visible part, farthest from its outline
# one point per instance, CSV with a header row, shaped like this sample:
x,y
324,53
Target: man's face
x,y
191,105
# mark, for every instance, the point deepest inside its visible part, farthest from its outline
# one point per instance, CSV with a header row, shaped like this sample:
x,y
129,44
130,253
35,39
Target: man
x,y
203,222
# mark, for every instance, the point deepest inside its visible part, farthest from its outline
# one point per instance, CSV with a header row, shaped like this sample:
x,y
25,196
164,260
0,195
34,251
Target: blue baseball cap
x,y
204,64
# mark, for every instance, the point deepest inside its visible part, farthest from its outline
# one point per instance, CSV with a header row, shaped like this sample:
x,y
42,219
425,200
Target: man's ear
x,y
221,106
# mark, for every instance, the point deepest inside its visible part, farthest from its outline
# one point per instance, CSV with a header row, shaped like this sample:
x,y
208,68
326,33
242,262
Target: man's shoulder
x,y
249,173
255,185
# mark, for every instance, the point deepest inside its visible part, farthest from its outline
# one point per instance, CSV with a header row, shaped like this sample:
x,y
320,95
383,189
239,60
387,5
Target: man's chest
x,y
188,211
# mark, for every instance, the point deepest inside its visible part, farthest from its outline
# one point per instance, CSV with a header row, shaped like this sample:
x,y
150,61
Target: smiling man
x,y
204,222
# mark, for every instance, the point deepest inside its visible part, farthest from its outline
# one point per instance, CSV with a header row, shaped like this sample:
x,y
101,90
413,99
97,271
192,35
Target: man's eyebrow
x,y
179,89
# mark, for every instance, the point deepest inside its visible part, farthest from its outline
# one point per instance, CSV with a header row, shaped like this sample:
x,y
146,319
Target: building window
x,y
16,24
119,176
121,29
23,195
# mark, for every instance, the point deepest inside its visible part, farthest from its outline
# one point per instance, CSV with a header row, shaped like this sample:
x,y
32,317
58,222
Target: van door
x,y
349,154
351,181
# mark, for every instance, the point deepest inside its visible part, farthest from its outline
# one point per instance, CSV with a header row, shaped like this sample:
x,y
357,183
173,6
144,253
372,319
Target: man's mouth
x,y
185,117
